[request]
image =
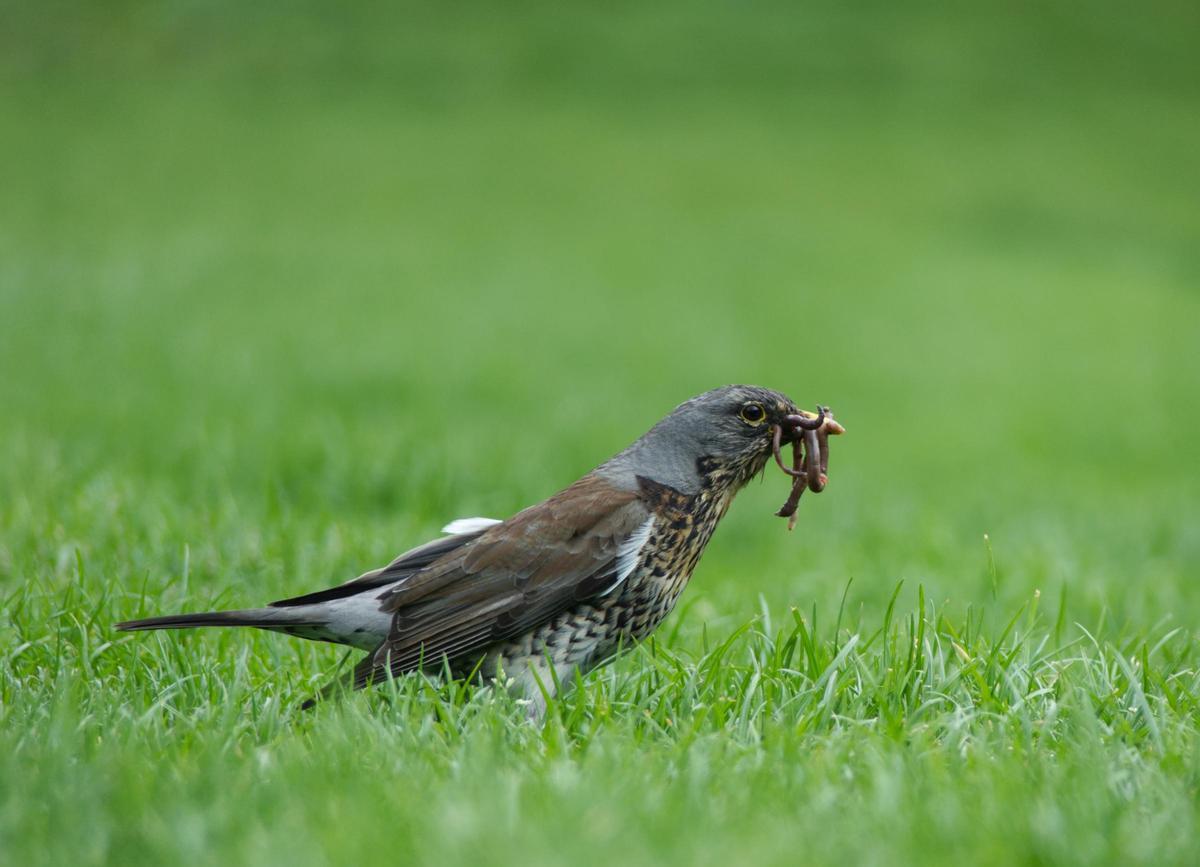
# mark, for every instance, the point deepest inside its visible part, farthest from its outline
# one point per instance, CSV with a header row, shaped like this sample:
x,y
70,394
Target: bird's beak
x,y
797,423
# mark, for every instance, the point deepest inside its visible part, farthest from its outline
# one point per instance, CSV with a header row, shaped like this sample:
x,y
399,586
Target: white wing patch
x,y
628,553
469,525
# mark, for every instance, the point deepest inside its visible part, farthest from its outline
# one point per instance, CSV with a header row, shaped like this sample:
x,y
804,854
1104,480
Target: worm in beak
x,y
809,437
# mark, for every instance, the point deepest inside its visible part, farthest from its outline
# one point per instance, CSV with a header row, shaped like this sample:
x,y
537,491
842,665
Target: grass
x,y
281,293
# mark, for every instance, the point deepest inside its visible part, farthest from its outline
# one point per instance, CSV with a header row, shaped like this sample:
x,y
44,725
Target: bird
x,y
564,585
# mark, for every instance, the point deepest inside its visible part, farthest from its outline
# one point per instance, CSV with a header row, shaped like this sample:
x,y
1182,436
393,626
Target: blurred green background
x,y
396,264
286,286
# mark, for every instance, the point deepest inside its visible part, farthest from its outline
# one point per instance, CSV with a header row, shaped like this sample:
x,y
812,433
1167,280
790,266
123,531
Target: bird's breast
x,y
667,560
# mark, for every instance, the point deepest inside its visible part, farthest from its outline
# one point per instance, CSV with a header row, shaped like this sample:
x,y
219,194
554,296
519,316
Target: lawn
x,y
285,289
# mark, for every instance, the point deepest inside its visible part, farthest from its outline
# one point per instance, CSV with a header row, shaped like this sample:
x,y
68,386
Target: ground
x,y
282,291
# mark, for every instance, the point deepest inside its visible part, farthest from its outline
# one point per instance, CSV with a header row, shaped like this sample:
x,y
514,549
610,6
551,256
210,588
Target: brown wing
x,y
516,576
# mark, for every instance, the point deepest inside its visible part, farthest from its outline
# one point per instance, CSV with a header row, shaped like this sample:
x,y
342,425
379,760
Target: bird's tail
x,y
305,621
262,618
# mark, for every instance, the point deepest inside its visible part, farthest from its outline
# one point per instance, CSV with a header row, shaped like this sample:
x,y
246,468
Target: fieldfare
x,y
563,585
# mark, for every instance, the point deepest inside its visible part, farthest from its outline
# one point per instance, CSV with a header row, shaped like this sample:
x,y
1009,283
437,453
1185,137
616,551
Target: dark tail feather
x,y
281,619
263,618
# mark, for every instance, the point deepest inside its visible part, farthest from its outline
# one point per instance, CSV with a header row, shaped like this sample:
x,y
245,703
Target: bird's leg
x,y
537,681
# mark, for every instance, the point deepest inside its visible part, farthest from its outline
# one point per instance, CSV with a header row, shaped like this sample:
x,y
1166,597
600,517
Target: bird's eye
x,y
753,413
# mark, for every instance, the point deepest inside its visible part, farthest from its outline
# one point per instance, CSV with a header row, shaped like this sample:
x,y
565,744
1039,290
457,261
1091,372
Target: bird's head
x,y
726,436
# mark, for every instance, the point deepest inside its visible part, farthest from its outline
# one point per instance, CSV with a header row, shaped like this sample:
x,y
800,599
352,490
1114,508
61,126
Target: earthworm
x,y
810,468
812,462
776,443
788,509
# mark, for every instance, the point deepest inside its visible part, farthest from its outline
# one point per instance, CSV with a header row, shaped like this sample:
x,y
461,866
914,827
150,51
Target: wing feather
x,y
514,577
405,565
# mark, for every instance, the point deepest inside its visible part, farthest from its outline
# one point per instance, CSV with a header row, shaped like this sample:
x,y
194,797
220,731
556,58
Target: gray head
x,y
727,429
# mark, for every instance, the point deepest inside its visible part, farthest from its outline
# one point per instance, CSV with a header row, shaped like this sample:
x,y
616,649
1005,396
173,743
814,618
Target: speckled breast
x,y
592,632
